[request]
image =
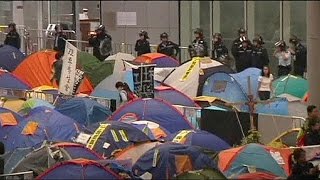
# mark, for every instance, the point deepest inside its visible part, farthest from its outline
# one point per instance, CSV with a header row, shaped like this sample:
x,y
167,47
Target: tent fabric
x,y
293,85
257,175
202,175
114,136
193,83
155,110
10,81
236,161
200,138
95,70
37,70
10,57
13,104
161,60
12,158
279,106
174,97
76,151
32,103
84,110
152,129
167,160
118,59
78,169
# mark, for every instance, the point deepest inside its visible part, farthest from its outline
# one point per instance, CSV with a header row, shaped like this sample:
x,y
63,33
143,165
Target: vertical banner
x,y
143,81
68,72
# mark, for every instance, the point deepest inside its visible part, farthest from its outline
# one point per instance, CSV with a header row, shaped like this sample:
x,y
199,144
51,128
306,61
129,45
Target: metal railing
x,y
20,175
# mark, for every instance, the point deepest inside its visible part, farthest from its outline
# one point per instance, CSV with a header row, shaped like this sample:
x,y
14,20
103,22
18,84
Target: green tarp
x,y
292,85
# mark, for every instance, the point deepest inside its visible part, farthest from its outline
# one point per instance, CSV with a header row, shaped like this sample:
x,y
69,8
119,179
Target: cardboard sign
x,y
143,79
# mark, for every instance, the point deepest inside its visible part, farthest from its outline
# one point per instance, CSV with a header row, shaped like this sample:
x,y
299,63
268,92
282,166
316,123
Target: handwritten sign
x,y
68,73
143,80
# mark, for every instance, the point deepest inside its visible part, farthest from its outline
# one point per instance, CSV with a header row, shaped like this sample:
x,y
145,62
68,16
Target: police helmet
x,y
12,25
241,31
218,36
198,31
294,40
258,39
244,39
163,35
144,33
101,27
281,44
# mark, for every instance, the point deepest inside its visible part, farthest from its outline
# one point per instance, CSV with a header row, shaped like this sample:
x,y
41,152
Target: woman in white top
x,y
265,84
284,58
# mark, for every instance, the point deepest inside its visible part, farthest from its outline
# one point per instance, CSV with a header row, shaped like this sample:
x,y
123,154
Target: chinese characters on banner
x,y
68,72
143,81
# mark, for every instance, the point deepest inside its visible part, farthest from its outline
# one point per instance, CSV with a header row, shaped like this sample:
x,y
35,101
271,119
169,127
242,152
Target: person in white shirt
x,y
265,84
284,57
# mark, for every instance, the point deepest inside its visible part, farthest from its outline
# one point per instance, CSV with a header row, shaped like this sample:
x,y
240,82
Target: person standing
x,y
142,45
13,37
265,84
284,58
101,43
259,53
199,47
300,53
59,39
243,54
167,47
220,51
236,43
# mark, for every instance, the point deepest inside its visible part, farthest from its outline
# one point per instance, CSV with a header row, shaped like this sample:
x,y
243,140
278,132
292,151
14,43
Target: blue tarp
x,y
8,80
84,110
174,97
10,57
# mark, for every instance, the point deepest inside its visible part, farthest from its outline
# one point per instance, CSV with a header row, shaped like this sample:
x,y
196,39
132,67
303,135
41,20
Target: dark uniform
x,y
168,47
243,55
260,56
220,51
142,45
101,43
236,43
300,52
199,47
59,40
13,38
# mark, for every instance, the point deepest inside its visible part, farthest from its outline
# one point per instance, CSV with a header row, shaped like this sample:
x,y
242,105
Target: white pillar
x,y
78,32
40,25
18,18
286,21
185,23
195,14
216,16
250,19
313,46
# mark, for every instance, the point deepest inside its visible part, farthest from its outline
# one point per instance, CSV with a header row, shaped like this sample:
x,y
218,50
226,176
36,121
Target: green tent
x,y
292,85
202,174
95,70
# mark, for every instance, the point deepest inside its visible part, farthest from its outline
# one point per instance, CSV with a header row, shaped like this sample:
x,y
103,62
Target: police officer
x,y
101,43
220,51
59,39
243,54
12,38
300,53
167,47
142,45
284,57
259,53
236,43
199,47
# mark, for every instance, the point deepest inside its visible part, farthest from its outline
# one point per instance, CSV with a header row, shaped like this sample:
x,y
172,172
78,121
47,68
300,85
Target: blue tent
x,y
242,79
167,160
174,96
156,110
200,138
32,103
278,107
8,80
84,110
10,57
115,136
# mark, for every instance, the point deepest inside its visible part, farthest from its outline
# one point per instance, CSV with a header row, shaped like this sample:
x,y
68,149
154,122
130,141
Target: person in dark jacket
x,y
199,47
13,37
243,55
260,56
313,133
236,43
167,47
300,53
219,51
101,42
59,39
142,45
301,168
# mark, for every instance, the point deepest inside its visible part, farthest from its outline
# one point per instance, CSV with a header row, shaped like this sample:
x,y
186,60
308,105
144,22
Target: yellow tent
x,y
286,139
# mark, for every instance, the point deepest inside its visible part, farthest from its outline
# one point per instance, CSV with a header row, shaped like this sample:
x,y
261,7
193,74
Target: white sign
x,y
68,71
83,138
126,18
277,156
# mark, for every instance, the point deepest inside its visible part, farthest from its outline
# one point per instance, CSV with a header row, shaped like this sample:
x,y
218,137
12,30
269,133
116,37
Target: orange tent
x,y
161,60
37,70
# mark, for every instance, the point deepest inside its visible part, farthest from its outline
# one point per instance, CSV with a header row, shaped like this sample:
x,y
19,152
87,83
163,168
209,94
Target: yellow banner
x,y
179,137
193,64
94,138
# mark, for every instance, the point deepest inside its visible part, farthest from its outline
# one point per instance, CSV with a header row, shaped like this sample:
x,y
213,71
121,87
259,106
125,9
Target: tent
x,y
12,158
112,136
202,175
190,76
13,104
168,160
200,138
10,81
10,57
78,169
240,160
286,139
152,129
95,70
37,70
155,110
292,85
161,60
257,175
84,110
32,103
173,96
118,61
